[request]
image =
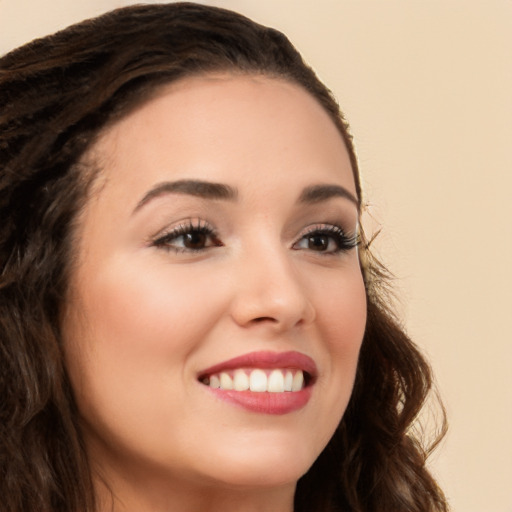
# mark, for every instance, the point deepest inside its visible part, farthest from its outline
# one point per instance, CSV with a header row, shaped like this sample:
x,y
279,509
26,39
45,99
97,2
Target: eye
x,y
189,237
326,239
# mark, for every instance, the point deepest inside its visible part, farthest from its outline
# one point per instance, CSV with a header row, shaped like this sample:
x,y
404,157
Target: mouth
x,y
259,380
263,382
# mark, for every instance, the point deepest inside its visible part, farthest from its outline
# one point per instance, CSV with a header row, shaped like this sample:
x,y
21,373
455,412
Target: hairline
x,y
89,161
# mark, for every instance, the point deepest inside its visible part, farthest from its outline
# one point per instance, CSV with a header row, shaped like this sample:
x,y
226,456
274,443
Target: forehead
x,y
225,127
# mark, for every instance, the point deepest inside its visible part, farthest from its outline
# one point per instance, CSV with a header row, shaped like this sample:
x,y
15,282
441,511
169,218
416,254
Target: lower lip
x,y
265,402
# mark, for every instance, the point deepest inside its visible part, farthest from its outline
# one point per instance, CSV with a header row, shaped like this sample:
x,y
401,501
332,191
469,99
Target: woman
x,y
190,315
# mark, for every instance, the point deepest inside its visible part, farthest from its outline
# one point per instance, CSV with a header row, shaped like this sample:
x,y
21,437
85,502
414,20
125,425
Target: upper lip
x,y
264,360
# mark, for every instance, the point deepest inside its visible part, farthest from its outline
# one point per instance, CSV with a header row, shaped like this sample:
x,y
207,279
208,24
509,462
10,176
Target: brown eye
x,y
194,240
326,240
188,238
318,242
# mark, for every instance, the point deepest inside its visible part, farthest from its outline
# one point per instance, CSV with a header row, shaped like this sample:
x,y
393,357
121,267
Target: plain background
x,y
427,87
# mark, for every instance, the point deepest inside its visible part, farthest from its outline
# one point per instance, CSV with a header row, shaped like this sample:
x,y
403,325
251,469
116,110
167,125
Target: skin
x,y
142,320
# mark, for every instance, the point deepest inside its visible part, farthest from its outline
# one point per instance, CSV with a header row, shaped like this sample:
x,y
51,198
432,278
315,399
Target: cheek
x,y
128,339
129,333
342,320
342,314
148,311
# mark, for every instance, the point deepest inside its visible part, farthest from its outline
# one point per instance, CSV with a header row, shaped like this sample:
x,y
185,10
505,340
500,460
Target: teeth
x,y
276,382
240,381
288,381
214,381
226,382
298,381
258,381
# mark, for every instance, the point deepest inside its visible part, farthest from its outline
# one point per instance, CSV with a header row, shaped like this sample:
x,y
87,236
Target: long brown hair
x,y
56,95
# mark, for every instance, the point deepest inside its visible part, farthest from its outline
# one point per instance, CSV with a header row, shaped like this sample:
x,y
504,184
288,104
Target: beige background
x,y
427,86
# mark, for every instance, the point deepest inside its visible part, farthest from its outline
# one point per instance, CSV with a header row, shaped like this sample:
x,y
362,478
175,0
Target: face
x,y
218,251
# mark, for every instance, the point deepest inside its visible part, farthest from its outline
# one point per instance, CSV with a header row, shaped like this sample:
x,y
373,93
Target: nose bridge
x,y
269,287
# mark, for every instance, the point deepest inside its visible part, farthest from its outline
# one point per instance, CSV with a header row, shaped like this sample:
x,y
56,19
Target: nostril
x,y
264,318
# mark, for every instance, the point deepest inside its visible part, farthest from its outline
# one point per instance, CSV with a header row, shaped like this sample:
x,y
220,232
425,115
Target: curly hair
x,y
56,96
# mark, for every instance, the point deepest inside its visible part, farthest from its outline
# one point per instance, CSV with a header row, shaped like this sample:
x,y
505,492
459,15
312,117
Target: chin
x,y
246,476
259,464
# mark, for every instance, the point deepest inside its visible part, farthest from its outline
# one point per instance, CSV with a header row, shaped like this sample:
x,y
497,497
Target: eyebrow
x,y
317,193
204,189
208,190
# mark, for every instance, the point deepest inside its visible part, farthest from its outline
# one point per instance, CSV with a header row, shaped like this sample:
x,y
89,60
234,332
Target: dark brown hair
x,y
56,95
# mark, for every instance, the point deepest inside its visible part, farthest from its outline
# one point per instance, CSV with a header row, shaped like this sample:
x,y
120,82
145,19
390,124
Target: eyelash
x,y
342,241
190,227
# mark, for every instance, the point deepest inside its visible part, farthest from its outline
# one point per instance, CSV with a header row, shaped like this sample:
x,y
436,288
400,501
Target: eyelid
x,y
345,242
327,227
182,228
167,239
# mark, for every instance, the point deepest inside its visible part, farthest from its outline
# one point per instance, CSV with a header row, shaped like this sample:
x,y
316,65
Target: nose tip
x,y
274,295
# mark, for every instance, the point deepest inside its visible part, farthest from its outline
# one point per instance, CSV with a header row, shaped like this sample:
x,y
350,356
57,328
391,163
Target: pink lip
x,y
265,402
264,360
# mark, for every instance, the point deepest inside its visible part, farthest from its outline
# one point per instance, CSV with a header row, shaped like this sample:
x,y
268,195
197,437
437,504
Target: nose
x,y
269,290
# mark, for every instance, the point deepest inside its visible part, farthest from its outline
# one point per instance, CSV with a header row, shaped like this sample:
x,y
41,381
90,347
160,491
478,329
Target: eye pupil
x,y
318,242
194,240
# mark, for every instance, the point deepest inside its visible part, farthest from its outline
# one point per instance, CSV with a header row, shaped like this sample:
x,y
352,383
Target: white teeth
x,y
288,380
226,382
298,381
240,380
257,380
214,382
276,382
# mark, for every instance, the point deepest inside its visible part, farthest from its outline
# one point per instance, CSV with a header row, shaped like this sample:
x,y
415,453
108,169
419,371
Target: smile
x,y
258,380
263,382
